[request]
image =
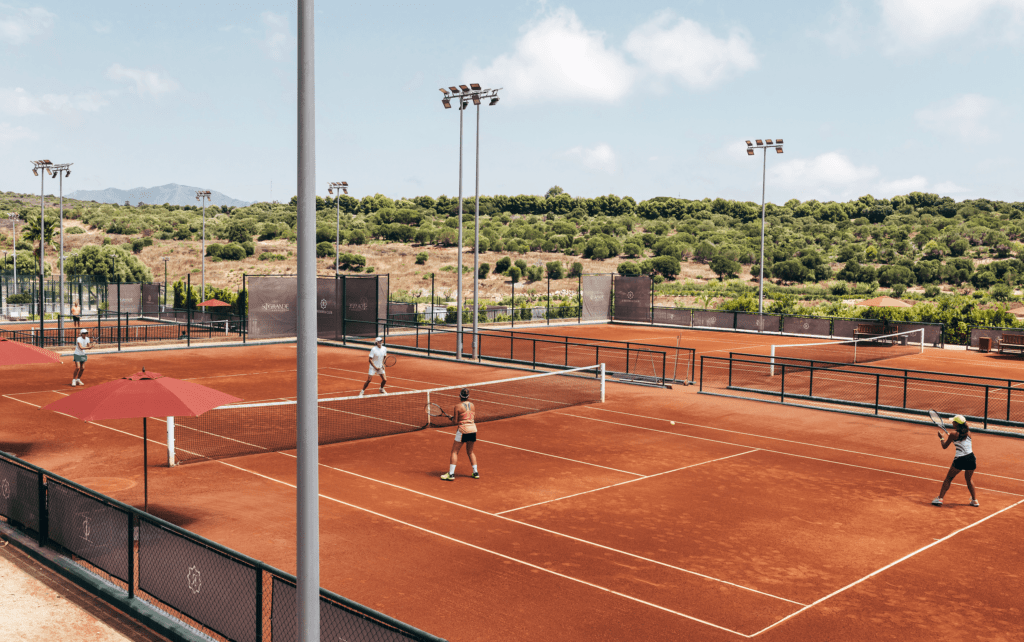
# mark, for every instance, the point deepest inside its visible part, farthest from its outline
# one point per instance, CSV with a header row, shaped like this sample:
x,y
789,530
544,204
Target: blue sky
x,y
644,98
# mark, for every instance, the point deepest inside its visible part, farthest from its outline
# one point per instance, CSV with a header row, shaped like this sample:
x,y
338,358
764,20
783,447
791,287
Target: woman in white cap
x,y
964,459
82,344
377,354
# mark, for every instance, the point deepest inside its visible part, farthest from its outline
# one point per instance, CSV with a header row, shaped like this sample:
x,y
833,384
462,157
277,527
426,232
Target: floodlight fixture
x,y
494,101
475,86
769,141
447,103
778,141
444,91
760,142
750,151
778,150
750,144
464,89
476,99
454,89
35,172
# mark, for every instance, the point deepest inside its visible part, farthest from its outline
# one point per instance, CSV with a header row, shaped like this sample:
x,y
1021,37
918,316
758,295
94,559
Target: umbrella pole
x,y
145,465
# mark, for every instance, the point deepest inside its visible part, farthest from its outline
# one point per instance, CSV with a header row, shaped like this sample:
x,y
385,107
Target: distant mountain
x,y
172,193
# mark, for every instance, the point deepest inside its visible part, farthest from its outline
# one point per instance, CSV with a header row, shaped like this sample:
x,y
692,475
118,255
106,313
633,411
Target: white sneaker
x,y
81,383
937,501
361,392
974,502
74,382
383,391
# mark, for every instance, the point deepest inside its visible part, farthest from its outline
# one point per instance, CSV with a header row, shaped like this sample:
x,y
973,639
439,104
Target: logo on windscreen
x,y
5,490
195,582
363,304
275,307
323,304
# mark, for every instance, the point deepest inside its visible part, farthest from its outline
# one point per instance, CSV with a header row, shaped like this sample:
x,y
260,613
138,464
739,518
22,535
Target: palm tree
x,y
31,233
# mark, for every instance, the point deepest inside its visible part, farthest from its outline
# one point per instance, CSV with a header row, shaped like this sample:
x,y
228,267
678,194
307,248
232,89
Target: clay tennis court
x,y
598,522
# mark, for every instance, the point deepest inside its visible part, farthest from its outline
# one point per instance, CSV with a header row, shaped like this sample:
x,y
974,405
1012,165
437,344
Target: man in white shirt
x,y
377,355
82,344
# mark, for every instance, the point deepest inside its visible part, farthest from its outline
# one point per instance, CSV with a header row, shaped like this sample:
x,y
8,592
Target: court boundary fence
x,y
867,390
634,363
204,590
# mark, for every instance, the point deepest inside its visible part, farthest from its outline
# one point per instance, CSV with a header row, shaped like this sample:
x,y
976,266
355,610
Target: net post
x,y
921,330
1008,389
771,369
170,442
602,383
730,369
904,389
810,382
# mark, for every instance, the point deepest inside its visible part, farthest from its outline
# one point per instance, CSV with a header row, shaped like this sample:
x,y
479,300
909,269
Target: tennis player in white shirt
x,y
377,355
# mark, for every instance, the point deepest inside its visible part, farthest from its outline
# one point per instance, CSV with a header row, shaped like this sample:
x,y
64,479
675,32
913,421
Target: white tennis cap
x,y
959,419
84,332
378,339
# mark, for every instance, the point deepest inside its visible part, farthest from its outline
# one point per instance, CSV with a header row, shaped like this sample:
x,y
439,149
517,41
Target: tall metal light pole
x,y
165,282
341,187
63,170
204,196
45,165
465,94
307,568
14,230
764,146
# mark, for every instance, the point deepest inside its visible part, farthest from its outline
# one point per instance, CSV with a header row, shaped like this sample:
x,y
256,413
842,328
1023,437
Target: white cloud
x,y
600,158
146,82
557,59
689,52
18,102
10,133
844,31
917,23
18,26
832,176
965,116
277,37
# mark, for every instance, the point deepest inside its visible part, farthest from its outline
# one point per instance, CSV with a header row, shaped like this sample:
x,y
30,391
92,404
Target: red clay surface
x,y
602,522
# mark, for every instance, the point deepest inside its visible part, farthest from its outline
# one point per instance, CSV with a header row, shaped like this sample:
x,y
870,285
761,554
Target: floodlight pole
x,y
203,195
764,147
477,97
307,568
62,170
14,230
458,267
341,186
44,165
165,282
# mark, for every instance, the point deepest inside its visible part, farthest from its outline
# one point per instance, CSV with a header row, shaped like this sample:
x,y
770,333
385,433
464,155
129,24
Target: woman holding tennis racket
x,y
465,415
964,459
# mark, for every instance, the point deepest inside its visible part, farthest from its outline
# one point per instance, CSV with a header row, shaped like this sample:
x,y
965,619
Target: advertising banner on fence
x,y
272,306
632,298
596,291
130,301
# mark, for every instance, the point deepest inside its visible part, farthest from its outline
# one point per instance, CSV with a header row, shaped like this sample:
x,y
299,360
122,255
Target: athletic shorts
x,y
465,437
75,319
80,358
967,462
374,372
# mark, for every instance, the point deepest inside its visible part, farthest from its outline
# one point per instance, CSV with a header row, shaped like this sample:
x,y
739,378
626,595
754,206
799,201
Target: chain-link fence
x,y
992,405
211,590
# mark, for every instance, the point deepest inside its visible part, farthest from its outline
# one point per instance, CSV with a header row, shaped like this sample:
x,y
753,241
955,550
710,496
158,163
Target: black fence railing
x,y
996,404
109,330
624,362
209,588
826,327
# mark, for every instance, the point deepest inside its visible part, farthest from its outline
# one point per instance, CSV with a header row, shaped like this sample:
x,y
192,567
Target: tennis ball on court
x,y
672,422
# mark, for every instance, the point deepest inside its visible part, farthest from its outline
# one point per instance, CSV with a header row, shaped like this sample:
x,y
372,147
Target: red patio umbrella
x,y
142,394
214,303
15,353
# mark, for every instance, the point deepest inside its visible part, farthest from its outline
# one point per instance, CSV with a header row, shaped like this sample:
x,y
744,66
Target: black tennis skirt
x,y
967,462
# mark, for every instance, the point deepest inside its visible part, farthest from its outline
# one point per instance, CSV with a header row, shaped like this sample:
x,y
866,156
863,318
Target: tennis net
x,y
850,352
244,429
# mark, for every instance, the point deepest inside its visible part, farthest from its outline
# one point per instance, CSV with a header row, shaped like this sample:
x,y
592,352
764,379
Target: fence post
x,y
534,354
1008,389
730,370
904,389
878,384
245,311
548,313
513,305
810,384
43,515
188,310
627,358
985,421
131,556
701,387
579,298
782,388
119,315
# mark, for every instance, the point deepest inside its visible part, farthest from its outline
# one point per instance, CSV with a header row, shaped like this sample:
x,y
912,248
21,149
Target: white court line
x,y
750,434
159,443
781,452
628,481
537,452
501,555
884,568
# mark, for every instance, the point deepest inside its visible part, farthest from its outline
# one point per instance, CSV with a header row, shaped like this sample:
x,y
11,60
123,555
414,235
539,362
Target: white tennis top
x,y
377,355
963,447
80,344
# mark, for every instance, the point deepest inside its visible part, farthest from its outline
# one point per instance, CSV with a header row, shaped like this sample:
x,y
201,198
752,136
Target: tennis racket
x,y
390,360
938,420
435,410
